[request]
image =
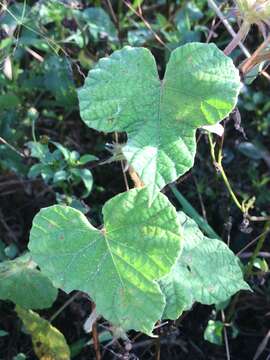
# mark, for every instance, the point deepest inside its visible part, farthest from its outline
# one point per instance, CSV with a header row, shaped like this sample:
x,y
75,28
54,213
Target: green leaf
x,y
118,265
207,272
35,170
124,93
59,81
19,356
60,175
84,159
39,151
11,251
86,176
99,23
24,285
139,37
261,264
48,342
3,333
250,150
213,332
65,152
51,11
9,101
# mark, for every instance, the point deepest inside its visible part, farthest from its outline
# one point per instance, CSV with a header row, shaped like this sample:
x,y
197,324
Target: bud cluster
x,y
253,11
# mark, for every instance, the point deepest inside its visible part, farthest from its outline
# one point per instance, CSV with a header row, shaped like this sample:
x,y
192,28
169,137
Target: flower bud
x,y
254,11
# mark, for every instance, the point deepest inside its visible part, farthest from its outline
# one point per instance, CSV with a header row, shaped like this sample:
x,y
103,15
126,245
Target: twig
x,y
157,343
228,26
114,17
95,337
252,242
135,178
262,346
262,254
146,23
225,336
69,301
241,35
11,147
200,198
122,164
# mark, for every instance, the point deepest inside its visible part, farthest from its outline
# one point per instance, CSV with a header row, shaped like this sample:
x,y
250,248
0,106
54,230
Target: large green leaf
x,y
117,265
207,271
21,283
124,93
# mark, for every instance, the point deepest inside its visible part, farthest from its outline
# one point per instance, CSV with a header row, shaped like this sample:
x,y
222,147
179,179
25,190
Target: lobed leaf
x,y
124,93
207,271
118,265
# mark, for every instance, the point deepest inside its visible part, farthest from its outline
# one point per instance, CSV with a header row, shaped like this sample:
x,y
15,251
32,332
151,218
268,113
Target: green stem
x,y
258,248
33,130
218,164
249,267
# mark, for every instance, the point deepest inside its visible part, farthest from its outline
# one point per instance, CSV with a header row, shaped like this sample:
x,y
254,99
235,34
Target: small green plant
x,y
60,167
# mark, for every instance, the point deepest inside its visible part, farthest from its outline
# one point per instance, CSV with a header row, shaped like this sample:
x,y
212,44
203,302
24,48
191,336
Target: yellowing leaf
x,y
48,342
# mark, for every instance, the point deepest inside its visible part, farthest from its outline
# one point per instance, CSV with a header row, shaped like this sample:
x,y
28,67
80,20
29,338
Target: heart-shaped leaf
x,y
124,93
207,271
117,265
21,283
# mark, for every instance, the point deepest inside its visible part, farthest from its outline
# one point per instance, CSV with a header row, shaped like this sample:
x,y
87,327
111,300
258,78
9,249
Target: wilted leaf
x,y
48,342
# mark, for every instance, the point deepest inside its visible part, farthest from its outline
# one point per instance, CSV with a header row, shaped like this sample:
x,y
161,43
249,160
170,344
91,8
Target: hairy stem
x,y
240,36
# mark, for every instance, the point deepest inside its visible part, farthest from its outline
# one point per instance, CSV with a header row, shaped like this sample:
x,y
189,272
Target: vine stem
x,y
248,270
218,165
245,205
258,248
